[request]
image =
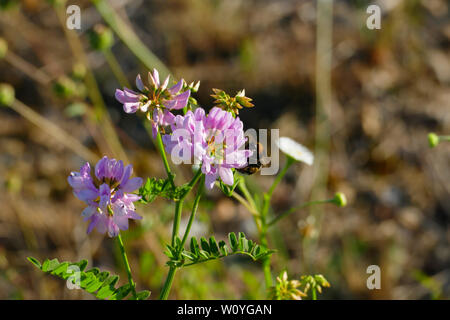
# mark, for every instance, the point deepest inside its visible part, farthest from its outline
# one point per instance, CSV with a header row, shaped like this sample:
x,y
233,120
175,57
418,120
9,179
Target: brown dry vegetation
x,y
390,87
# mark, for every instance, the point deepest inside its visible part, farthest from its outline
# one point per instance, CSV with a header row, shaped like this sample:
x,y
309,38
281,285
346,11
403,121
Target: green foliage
x,y
101,284
228,190
205,250
154,187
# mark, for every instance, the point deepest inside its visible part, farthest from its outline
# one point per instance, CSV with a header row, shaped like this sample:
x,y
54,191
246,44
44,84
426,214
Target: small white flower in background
x,y
295,150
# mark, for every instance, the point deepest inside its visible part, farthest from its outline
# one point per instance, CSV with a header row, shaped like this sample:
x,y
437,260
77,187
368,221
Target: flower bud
x,y
64,87
433,140
75,109
79,71
3,48
7,95
340,199
101,38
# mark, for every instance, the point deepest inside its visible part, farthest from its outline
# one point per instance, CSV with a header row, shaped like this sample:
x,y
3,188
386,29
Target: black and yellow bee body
x,y
252,168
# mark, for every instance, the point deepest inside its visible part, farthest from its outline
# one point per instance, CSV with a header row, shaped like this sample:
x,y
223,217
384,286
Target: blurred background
x,y
363,100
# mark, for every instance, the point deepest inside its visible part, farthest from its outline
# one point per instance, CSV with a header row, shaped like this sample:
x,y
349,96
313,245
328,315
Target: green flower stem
x,y
243,187
249,203
268,195
261,226
127,266
168,284
162,152
444,138
27,68
115,68
54,131
314,294
179,205
263,217
176,224
246,205
102,116
306,204
194,211
266,262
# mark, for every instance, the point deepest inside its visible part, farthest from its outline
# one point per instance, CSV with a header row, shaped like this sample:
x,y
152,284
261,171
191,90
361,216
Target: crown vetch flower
x,y
215,140
107,194
156,99
187,131
224,136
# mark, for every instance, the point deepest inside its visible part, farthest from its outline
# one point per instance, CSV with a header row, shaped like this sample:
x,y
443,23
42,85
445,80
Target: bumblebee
x,y
252,168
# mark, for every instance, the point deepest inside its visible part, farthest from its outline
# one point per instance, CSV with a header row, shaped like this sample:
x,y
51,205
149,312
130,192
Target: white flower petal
x,y
295,150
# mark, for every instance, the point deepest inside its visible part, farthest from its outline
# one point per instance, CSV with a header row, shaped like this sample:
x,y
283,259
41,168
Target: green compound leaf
x,y
99,283
210,249
161,188
143,295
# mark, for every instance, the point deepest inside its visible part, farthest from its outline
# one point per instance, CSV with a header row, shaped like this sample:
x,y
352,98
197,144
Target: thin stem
x,y
266,264
168,284
263,215
262,230
323,115
127,266
115,68
179,205
243,187
129,38
268,195
176,224
162,152
27,68
194,211
53,130
102,116
176,220
314,294
245,204
251,205
288,212
444,138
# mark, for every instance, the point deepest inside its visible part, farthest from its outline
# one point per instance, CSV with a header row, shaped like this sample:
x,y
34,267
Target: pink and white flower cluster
x,y
216,141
